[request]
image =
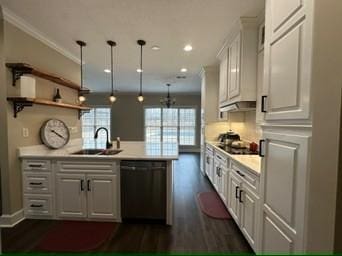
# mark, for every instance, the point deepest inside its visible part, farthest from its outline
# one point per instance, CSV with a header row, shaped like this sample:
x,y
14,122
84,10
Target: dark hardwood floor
x,y
192,231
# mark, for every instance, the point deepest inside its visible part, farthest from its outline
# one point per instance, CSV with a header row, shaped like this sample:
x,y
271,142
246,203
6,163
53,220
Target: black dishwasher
x,y
143,191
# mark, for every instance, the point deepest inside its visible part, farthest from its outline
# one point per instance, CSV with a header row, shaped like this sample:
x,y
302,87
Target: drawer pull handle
x,y
36,205
36,183
36,165
263,103
240,196
88,185
261,147
236,192
241,174
82,185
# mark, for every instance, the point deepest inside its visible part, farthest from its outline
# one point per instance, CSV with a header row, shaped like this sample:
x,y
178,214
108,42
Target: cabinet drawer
x,y
251,180
38,205
37,164
209,149
221,158
86,167
37,183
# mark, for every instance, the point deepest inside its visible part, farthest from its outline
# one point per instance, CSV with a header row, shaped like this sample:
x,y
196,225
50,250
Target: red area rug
x,y
76,236
211,205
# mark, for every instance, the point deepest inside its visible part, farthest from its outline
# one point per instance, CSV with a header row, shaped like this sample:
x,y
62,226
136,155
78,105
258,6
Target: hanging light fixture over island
x,y
140,70
82,92
112,97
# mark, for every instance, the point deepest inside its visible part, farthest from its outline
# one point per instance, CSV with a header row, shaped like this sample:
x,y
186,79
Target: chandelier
x,y
168,101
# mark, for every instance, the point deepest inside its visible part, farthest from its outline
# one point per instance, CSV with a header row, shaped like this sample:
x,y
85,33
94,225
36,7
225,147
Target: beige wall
x,y
20,47
128,115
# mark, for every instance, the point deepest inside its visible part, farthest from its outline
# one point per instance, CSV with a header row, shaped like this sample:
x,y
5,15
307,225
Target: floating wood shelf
x,y
19,69
19,103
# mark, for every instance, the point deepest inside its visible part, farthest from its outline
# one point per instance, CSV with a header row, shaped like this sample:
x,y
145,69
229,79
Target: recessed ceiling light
x,y
155,47
183,70
139,70
107,70
188,48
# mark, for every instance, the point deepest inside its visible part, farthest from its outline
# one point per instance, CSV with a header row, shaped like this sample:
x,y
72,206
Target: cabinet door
x,y
71,195
215,176
233,201
288,53
283,186
224,186
207,164
223,92
102,196
248,215
234,69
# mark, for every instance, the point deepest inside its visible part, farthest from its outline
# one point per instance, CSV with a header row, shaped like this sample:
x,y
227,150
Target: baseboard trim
x,y
10,220
189,150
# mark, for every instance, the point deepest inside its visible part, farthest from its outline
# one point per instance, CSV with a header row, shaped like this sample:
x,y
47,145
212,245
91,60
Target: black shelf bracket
x,y
81,112
19,106
18,72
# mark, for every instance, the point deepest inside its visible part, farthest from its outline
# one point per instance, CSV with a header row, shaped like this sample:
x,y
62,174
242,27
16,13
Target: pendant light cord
x,y
141,50
81,66
111,64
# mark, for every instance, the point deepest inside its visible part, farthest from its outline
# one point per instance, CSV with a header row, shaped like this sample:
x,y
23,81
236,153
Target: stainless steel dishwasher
x,y
143,190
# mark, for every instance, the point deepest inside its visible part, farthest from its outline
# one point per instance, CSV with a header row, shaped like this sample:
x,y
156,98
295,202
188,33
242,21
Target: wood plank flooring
x,y
192,231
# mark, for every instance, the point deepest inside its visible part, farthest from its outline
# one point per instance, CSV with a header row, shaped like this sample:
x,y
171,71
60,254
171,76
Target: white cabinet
x,y
209,164
233,199
285,174
38,188
234,68
240,51
87,193
102,196
210,94
288,53
248,216
223,91
71,195
244,203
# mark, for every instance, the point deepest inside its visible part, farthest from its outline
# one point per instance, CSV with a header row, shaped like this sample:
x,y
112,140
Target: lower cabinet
x,y
243,205
90,195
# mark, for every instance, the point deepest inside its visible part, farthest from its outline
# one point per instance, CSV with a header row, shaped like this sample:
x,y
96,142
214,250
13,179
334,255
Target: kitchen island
x,y
58,184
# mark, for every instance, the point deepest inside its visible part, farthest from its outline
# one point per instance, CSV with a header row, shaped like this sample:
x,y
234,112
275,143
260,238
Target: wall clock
x,y
54,133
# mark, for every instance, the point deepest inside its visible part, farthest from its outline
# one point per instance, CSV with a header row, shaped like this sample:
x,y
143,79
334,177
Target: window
x,y
96,118
171,125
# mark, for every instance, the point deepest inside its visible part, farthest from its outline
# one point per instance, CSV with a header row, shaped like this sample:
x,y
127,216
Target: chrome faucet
x,y
108,143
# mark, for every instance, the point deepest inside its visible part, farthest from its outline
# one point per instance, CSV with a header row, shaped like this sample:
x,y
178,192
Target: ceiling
x,y
170,24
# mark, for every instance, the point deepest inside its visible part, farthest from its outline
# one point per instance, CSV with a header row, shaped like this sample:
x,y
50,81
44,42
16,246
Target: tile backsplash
x,y
243,123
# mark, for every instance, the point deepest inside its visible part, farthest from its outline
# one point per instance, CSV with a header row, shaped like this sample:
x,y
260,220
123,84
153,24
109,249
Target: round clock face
x,y
54,133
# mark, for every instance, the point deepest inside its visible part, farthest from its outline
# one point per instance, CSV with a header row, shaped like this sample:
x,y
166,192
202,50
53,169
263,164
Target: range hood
x,y
239,106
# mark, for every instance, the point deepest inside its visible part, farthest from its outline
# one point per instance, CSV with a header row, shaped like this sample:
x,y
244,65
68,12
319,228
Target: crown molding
x,y
23,25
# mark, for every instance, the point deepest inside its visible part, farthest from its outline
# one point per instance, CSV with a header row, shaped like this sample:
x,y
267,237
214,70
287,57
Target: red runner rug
x,y
212,205
76,236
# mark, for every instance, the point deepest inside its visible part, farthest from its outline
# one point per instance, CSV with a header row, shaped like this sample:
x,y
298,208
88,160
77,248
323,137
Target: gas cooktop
x,y
237,151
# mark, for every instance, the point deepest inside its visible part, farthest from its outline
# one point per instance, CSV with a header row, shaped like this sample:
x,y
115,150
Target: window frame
x,y
178,122
94,126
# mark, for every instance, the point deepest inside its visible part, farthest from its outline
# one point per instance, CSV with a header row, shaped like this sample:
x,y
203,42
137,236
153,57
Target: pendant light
x,y
81,93
112,97
168,101
140,96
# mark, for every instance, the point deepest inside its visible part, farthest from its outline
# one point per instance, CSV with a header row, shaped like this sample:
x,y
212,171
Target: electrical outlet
x,y
25,132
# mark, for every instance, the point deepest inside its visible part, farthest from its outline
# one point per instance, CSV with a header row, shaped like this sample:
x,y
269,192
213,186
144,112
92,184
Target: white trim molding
x,y
20,23
10,220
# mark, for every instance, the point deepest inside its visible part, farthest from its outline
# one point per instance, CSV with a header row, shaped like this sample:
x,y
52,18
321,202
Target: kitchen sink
x,y
93,151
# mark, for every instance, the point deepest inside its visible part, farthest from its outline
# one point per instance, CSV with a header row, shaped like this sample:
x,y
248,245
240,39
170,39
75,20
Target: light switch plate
x,y
25,132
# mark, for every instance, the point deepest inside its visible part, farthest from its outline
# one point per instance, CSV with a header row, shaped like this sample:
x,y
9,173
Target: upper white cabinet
x,y
210,94
223,91
238,63
288,50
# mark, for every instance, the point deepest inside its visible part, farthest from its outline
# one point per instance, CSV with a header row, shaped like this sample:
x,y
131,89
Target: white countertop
x,y
251,162
134,150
